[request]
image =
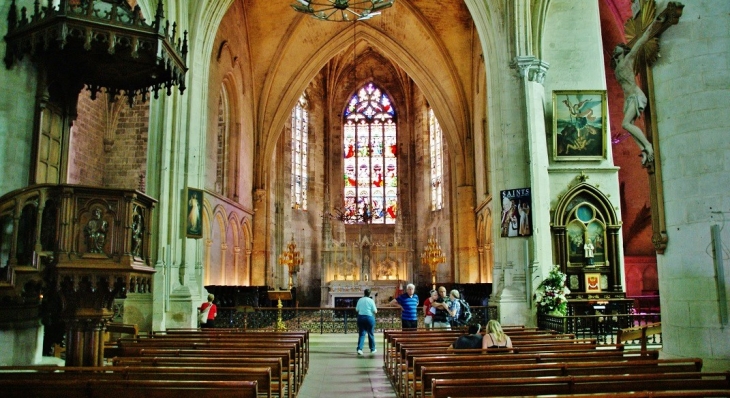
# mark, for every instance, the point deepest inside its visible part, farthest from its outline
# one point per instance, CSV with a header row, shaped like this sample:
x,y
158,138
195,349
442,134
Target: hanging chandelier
x,y
432,256
342,10
292,258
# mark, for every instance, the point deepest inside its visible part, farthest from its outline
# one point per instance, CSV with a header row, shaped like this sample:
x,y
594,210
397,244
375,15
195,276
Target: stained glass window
x,y
299,154
370,158
437,164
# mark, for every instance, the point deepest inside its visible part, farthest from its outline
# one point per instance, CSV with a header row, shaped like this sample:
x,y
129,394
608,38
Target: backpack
x,y
464,315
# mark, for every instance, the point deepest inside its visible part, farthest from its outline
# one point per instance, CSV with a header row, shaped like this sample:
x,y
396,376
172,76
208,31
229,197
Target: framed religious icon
x,y
593,282
194,219
516,219
579,125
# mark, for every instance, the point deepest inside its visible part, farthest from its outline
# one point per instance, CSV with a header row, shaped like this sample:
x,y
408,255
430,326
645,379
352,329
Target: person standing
x,y
366,310
454,308
212,311
440,317
408,303
428,309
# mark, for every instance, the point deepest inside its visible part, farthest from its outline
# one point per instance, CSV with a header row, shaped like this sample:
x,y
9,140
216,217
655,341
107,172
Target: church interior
x,y
158,151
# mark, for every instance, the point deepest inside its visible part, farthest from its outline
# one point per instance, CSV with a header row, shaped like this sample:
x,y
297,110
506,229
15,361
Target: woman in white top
x,y
366,311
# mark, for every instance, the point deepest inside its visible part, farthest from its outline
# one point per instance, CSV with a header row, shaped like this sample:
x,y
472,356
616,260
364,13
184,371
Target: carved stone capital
x,y
530,68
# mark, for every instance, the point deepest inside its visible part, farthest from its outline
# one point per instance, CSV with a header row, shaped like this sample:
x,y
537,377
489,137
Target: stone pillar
x,y
21,334
691,91
466,258
532,71
261,272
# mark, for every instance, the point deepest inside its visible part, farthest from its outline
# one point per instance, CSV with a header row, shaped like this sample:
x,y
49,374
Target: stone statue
x,y
137,226
634,99
588,251
95,231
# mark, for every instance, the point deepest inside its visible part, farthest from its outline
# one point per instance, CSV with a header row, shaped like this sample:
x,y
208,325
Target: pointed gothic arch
x,y
584,213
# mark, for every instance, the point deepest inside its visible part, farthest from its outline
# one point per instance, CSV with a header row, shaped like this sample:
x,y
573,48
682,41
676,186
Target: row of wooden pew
x,y
420,364
180,364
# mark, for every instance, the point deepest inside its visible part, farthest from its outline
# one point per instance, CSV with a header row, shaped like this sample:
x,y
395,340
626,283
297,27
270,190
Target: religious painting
x,y
516,218
593,282
579,125
194,220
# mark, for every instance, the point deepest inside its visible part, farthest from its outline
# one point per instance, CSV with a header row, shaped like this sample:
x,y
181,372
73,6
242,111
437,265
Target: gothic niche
x,y
585,237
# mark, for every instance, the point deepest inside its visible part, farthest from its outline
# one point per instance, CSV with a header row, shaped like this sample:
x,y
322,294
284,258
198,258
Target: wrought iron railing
x,y
603,328
323,320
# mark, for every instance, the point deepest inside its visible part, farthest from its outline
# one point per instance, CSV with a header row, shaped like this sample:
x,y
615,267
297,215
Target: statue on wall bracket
x,y
636,57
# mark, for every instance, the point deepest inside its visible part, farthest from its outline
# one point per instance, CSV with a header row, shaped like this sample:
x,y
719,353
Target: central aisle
x,y
335,369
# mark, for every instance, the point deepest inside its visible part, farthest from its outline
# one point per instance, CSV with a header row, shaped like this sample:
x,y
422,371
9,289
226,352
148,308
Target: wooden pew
x,y
212,347
128,389
422,384
300,354
280,386
643,394
404,364
301,335
458,359
260,375
521,386
641,333
398,344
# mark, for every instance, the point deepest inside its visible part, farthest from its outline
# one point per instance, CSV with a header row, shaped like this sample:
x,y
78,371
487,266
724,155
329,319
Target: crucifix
x,y
636,57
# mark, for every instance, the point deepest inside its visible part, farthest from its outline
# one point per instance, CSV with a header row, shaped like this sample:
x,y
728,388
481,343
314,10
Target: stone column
x,y
691,91
261,271
532,71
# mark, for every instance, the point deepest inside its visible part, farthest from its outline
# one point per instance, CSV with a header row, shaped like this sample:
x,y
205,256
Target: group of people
x,y
439,312
493,338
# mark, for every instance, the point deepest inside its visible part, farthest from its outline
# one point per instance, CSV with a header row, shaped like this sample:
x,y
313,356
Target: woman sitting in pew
x,y
495,337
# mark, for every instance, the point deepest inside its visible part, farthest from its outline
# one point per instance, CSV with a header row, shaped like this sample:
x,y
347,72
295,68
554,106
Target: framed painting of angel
x,y
579,125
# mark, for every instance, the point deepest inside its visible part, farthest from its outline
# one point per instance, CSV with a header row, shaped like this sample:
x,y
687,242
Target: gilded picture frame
x,y
579,125
593,282
194,214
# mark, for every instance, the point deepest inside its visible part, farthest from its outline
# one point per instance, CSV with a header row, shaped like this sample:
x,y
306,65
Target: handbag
x,y
203,316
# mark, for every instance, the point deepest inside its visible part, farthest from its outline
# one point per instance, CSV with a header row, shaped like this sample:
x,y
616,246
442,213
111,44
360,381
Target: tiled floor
x,y
336,370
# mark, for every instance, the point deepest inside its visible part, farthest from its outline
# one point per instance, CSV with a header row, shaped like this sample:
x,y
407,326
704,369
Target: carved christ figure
x,y
634,99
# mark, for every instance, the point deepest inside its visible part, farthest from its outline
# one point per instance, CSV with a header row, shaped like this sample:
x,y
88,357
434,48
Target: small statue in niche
x,y
137,235
95,231
588,249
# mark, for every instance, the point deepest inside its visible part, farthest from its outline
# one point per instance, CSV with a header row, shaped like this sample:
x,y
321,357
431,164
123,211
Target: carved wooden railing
x,y
79,246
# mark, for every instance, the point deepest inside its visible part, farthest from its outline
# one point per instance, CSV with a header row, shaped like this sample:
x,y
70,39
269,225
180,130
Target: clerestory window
x,y
299,154
436,150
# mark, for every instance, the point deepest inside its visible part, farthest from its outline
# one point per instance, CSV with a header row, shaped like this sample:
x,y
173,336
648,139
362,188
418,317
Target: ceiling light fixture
x,y
342,10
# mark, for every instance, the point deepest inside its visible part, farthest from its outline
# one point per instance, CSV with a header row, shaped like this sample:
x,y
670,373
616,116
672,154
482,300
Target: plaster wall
x,y
692,80
16,114
575,53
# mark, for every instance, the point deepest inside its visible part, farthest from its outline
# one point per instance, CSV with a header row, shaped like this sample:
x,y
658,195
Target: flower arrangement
x,y
550,295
